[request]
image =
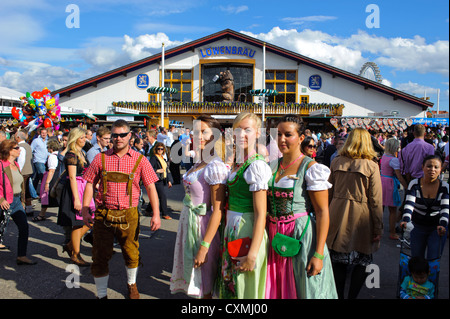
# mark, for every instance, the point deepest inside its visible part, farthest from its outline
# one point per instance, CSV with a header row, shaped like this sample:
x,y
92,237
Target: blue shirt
x,y
39,149
93,151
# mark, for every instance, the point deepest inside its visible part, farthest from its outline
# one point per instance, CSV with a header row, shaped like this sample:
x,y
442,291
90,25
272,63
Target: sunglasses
x,y
310,146
16,148
122,135
160,149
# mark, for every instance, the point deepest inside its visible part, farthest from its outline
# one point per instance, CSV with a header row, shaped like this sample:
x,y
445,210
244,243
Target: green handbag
x,y
286,246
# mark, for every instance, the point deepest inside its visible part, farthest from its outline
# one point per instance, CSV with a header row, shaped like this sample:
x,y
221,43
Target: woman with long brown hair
x,y
197,246
12,197
298,186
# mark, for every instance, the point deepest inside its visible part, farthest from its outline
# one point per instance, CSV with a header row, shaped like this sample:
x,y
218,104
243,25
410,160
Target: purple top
x,y
411,157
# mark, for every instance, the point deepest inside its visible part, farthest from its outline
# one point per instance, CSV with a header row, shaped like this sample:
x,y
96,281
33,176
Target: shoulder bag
x,y
5,214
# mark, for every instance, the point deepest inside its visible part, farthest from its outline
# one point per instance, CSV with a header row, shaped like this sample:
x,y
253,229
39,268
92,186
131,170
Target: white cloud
x,y
36,78
150,27
402,53
230,9
315,45
17,29
147,44
303,20
416,89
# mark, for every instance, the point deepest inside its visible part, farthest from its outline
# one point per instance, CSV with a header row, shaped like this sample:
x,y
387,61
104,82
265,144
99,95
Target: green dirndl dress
x,y
239,224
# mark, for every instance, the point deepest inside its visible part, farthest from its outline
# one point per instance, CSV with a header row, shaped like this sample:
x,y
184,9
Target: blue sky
x,y
410,46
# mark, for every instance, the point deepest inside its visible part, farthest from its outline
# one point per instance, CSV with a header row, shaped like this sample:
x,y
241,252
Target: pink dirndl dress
x,y
389,164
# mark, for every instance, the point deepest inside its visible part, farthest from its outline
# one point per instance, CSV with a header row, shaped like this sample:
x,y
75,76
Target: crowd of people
x,y
291,218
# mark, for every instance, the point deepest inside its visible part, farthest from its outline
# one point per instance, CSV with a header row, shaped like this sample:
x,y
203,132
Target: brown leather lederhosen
x,y
115,216
122,224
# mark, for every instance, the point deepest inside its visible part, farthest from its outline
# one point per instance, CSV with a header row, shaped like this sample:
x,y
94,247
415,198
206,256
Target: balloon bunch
x,y
39,108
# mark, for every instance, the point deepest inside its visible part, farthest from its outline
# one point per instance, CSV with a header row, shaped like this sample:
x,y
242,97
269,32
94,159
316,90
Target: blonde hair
x,y
358,145
245,115
74,135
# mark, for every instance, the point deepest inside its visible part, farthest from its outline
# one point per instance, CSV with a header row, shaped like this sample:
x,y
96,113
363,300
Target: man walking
x,y
24,161
118,172
411,157
40,154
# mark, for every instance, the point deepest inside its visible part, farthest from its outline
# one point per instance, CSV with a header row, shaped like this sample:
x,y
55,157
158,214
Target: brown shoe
x,y
77,260
133,293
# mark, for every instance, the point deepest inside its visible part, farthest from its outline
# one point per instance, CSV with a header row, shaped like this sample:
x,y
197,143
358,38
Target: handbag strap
x,y
4,187
304,229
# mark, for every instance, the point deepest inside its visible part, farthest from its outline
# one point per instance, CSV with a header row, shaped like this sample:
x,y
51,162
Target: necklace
x,y
283,169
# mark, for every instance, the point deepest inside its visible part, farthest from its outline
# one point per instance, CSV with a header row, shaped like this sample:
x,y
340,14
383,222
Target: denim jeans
x,y
20,219
426,238
38,172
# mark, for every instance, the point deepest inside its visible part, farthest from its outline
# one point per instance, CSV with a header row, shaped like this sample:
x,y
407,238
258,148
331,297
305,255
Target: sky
x,y
55,43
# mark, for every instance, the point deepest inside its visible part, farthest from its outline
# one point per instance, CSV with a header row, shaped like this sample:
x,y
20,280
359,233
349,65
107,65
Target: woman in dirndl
x,y
69,213
197,244
298,271
244,248
391,179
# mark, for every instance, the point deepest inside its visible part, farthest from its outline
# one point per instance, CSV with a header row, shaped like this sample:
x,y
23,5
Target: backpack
x,y
57,182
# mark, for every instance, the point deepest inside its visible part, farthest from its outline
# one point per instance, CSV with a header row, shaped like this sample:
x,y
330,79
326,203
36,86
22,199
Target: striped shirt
x,y
116,196
426,211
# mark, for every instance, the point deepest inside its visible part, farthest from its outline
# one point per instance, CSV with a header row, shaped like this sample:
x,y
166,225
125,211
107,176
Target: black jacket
x,y
156,166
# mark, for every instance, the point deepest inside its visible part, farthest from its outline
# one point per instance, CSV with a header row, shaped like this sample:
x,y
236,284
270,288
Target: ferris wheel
x,y
371,71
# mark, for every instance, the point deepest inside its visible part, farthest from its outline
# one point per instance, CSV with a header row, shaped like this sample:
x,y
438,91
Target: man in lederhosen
x,y
118,172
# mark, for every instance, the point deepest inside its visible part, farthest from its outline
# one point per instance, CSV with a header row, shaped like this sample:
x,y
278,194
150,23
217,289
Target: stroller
x,y
405,256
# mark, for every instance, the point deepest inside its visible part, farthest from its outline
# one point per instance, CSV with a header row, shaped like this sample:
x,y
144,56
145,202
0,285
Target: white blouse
x,y
52,160
216,172
257,175
316,178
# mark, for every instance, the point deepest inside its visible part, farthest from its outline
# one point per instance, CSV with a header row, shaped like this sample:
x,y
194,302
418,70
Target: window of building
x,y
242,76
284,82
152,97
180,80
304,99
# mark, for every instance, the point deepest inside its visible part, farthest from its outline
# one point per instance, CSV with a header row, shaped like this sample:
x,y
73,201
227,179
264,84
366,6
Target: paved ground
x,y
48,279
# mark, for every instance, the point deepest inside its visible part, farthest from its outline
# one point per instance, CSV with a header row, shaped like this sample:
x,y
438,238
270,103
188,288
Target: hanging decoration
x,y
379,124
231,107
158,89
261,92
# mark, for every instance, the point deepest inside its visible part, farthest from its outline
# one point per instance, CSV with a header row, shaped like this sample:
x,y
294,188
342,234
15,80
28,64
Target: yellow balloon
x,y
50,103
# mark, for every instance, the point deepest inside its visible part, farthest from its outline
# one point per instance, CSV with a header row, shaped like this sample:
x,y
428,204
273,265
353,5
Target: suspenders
x,y
118,177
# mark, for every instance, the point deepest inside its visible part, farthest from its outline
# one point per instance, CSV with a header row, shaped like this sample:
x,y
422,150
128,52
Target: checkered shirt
x,y
116,196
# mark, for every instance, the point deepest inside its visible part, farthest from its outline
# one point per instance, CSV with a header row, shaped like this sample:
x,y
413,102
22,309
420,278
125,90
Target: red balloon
x,y
45,91
15,113
48,123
